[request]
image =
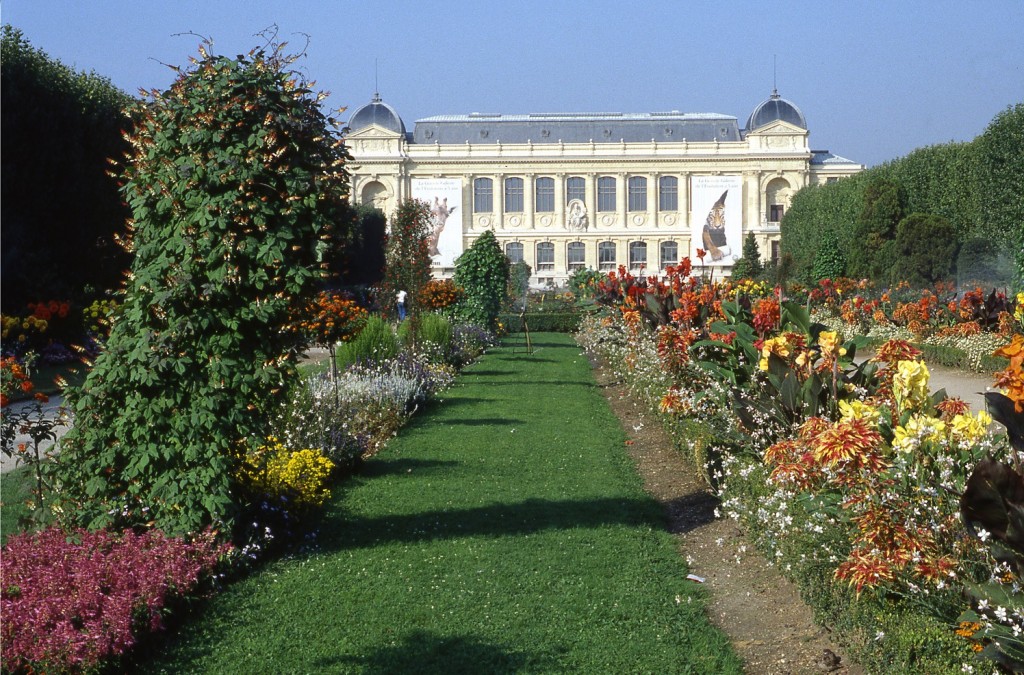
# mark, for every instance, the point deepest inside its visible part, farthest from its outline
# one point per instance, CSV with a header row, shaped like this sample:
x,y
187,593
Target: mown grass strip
x,y
504,530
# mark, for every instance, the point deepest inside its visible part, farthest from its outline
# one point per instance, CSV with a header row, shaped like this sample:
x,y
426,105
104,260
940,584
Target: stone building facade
x,y
564,191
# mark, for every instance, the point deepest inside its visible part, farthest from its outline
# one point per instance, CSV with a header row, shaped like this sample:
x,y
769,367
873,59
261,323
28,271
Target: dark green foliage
x,y
926,249
483,272
829,263
59,208
749,266
235,181
407,266
362,261
984,263
547,322
874,228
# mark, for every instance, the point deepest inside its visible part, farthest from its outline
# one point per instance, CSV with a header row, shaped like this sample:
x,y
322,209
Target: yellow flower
x,y
919,429
775,345
969,430
829,342
858,410
910,384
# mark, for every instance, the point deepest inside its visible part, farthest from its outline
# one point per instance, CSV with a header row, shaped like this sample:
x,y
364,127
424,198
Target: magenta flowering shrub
x,y
70,601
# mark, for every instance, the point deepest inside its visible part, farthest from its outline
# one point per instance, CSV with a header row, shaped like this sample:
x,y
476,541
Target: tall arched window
x,y
637,193
668,193
544,197
637,254
545,256
606,255
514,252
576,255
483,195
575,188
606,193
513,195
669,254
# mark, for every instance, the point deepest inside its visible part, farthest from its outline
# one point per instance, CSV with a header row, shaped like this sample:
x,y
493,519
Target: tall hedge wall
x,y
977,186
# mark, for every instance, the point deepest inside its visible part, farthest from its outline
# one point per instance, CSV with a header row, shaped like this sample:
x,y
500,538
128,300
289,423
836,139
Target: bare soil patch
x,y
770,627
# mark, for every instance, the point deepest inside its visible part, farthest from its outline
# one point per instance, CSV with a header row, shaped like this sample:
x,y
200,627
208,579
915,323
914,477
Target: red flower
x,y
701,253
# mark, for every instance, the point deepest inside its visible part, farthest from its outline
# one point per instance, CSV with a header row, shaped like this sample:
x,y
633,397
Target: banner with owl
x,y
717,219
443,196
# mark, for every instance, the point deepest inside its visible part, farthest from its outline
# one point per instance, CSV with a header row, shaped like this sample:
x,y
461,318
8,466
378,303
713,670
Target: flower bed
x,y
847,475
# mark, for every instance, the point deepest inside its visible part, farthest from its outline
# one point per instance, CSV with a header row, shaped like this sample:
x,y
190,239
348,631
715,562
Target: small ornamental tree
x,y
407,258
234,180
483,272
749,266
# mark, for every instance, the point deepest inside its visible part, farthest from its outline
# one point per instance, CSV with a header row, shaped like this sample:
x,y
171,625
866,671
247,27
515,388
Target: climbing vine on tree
x,y
235,180
407,257
483,271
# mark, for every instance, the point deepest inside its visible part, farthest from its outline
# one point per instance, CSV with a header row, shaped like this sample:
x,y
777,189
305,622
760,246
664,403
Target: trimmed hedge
x,y
542,322
975,185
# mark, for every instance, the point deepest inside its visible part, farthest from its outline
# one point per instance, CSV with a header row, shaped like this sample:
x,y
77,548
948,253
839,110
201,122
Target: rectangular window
x,y
637,254
513,195
545,256
668,193
606,255
575,188
669,254
482,195
605,193
775,252
637,193
514,252
576,254
775,212
831,179
544,201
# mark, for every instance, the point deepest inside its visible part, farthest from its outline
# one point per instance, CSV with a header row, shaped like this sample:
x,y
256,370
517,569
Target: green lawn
x,y
504,530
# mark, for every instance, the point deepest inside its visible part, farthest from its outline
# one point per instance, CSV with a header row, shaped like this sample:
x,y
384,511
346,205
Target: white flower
x,y
879,635
1001,613
983,534
983,604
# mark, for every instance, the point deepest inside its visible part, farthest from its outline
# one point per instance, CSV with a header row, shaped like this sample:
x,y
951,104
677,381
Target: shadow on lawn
x,y
388,467
495,520
425,652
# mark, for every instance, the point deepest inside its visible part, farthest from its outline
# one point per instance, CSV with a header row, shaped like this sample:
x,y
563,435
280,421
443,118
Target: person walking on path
x,y
401,305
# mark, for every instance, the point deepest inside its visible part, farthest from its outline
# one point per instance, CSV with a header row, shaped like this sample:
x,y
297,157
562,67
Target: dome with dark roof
x,y
776,108
376,112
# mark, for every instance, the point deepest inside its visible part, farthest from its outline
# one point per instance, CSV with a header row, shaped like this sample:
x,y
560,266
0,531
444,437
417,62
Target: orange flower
x,y
845,441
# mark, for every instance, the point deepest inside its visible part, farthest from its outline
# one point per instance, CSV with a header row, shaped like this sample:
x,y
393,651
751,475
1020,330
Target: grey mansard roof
x,y
576,128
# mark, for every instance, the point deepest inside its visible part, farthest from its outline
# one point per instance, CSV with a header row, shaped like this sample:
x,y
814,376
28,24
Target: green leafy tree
x,y
407,266
926,248
59,208
829,263
749,266
1001,182
483,272
235,180
881,212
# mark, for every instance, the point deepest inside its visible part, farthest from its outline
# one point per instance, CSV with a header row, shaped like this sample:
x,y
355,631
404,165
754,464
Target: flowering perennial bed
x,y
848,476
72,601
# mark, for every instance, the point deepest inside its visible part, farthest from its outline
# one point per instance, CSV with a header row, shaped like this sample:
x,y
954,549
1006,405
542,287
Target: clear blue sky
x,y
875,79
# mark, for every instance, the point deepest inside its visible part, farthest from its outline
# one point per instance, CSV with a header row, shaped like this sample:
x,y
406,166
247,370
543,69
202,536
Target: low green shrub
x,y
434,335
541,322
376,342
